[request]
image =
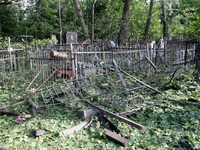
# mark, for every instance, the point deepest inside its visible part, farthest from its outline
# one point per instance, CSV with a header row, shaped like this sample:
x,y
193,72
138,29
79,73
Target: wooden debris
x,y
129,122
192,100
39,133
116,138
58,54
3,111
27,116
86,114
98,125
111,125
73,129
150,62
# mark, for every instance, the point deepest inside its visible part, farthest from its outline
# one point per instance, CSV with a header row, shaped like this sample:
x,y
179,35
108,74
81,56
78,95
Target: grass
x,y
169,126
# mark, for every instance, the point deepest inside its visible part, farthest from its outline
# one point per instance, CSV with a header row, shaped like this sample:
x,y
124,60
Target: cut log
x,y
58,54
116,138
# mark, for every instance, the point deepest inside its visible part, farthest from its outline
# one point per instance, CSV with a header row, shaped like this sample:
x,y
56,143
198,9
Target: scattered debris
x,y
116,138
3,111
86,114
39,133
73,129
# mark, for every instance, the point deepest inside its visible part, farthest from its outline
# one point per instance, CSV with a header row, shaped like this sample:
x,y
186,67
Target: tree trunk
x,y
60,23
148,20
165,26
122,32
38,19
80,17
92,37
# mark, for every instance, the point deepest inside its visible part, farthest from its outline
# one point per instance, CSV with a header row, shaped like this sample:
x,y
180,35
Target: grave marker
x,y
71,38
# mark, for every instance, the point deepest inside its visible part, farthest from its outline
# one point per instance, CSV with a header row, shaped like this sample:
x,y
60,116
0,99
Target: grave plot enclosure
x,y
102,78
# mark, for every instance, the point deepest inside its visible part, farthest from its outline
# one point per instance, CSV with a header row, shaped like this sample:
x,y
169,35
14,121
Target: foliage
x,y
182,18
169,126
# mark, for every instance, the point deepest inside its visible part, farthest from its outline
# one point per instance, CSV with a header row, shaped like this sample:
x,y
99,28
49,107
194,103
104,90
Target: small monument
x,y
71,38
53,37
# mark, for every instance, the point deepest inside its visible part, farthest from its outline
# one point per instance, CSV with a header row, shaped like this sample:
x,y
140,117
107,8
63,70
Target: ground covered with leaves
x,y
169,126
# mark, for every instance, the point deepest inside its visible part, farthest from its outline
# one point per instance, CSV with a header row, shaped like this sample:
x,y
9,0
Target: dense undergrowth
x,y
169,126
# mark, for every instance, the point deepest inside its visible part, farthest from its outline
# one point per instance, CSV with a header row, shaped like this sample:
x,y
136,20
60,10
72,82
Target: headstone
x,y
71,37
111,44
53,36
162,43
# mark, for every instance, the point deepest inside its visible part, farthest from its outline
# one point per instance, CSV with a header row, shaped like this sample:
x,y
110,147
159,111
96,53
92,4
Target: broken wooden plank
x,y
116,138
111,125
120,118
86,114
58,54
73,129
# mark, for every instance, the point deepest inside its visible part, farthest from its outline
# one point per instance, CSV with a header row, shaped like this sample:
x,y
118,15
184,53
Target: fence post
x,y
197,55
73,61
10,55
165,52
186,52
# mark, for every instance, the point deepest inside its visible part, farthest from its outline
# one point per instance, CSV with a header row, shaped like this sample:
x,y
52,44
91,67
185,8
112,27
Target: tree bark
x,y
38,19
80,17
122,32
165,26
60,23
148,20
92,37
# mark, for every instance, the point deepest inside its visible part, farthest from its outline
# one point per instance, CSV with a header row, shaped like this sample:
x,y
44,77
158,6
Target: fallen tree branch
x,y
3,111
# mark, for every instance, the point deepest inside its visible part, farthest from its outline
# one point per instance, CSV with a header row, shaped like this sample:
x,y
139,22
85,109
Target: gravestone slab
x,y
71,37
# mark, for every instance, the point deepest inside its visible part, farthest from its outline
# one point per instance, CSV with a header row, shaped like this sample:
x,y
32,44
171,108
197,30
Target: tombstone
x,y
71,38
111,45
53,37
162,43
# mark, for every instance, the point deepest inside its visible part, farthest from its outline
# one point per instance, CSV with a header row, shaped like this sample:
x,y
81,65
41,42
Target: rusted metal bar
x,y
148,86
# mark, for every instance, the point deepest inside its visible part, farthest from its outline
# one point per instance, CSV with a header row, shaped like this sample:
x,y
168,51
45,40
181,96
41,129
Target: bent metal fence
x,y
102,78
